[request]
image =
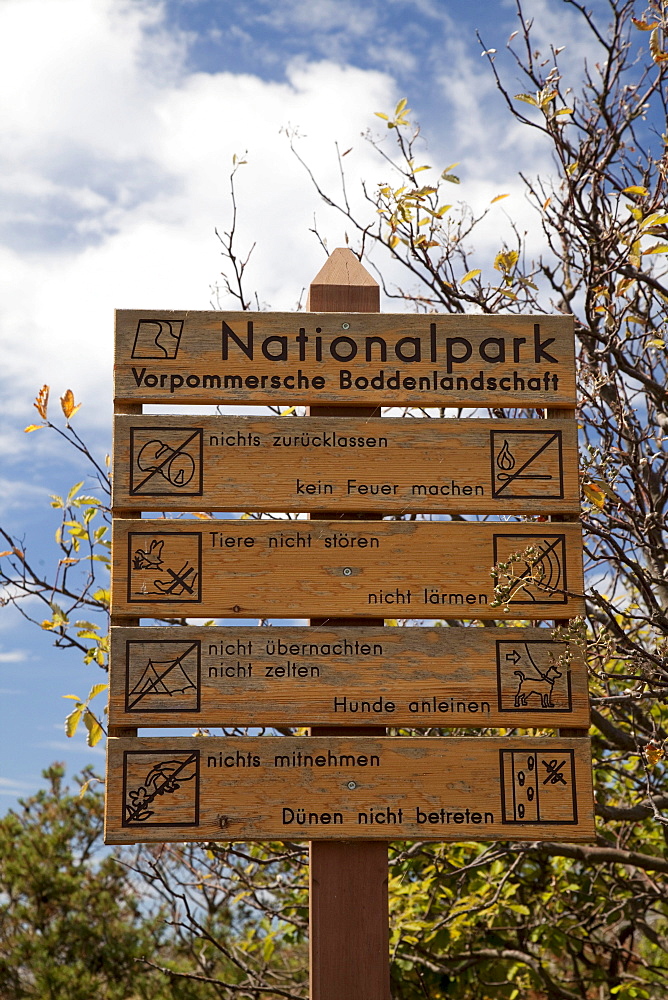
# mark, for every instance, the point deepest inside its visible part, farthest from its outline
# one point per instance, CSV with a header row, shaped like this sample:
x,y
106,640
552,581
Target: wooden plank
x,y
212,788
277,464
250,676
349,357
291,569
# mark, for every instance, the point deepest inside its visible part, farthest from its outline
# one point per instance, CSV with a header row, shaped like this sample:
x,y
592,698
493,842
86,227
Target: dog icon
x,y
536,682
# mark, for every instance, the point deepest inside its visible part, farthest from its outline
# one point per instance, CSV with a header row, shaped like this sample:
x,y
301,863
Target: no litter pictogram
x,y
166,461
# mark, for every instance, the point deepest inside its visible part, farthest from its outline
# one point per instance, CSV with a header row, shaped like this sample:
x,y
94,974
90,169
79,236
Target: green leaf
x,y
75,489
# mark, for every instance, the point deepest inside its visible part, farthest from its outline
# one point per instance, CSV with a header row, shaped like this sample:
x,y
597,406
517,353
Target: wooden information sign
x,y
250,676
292,569
433,360
395,465
338,788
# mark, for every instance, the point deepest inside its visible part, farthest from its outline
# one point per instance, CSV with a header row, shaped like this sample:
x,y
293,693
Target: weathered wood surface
x,y
400,466
291,569
338,788
435,360
241,676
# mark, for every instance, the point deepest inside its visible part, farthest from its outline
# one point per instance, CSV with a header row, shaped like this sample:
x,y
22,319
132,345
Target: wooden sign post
x,y
348,882
346,787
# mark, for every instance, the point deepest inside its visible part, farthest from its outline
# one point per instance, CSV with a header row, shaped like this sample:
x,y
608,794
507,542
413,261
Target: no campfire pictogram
x,y
527,463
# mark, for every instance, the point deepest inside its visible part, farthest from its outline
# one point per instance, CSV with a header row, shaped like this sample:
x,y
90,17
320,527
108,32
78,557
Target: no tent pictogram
x,y
166,461
527,464
162,676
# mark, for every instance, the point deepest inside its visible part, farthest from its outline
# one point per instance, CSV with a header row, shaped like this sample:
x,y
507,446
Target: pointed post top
x,y
343,284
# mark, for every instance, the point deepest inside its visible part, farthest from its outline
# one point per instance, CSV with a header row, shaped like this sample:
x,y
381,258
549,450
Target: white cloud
x,y
117,172
14,656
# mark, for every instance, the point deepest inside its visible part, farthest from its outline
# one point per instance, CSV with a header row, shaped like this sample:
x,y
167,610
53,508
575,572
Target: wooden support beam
x,y
349,920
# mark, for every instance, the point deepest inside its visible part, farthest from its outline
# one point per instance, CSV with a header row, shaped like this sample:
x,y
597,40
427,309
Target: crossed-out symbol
x,y
162,464
554,775
179,579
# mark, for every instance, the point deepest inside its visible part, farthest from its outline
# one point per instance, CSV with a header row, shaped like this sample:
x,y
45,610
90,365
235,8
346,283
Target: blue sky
x,y
120,119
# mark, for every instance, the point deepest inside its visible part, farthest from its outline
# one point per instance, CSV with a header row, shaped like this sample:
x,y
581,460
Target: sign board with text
x,y
381,359
179,463
289,788
252,676
293,569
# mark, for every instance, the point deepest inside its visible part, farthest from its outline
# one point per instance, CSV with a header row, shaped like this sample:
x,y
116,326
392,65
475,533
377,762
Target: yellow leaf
x,y
95,730
68,405
97,689
527,98
653,343
505,260
67,562
32,427
379,114
286,413
42,401
643,25
546,203
605,488
7,552
635,189
470,274
572,167
655,219
400,106
72,721
202,515
654,752
594,494
657,248
658,55
498,198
